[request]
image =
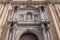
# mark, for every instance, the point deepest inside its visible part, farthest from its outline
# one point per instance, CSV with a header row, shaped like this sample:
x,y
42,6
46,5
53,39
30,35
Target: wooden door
x,y
28,36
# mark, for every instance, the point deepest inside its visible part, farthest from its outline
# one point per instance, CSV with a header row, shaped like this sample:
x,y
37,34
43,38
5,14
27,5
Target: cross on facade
x,y
29,2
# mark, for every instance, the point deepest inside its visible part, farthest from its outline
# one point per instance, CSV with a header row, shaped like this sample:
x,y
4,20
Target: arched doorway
x,y
28,36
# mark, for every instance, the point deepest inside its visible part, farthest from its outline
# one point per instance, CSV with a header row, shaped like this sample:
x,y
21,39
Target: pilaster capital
x,y
15,26
48,25
42,25
9,26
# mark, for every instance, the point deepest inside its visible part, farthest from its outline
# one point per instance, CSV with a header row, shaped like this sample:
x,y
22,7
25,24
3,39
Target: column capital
x,y
42,25
15,26
48,25
8,25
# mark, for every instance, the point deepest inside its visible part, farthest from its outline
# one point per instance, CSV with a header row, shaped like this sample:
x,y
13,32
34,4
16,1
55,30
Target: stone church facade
x,y
30,20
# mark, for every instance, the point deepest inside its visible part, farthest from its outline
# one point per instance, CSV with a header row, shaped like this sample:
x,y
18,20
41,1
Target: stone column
x,y
0,31
54,20
49,33
10,35
7,34
44,32
12,14
46,15
49,36
3,16
15,15
14,31
42,19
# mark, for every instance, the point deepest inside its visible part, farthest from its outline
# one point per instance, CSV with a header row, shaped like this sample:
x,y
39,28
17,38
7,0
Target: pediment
x,y
29,7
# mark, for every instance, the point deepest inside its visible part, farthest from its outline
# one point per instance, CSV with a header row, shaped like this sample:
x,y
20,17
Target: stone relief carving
x,y
22,17
29,16
35,17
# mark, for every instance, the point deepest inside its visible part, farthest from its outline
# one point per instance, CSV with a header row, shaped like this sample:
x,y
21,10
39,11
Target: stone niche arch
x,y
28,36
39,37
29,16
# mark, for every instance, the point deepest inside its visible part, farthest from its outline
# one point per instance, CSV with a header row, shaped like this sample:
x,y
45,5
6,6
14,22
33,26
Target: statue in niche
x,y
21,17
29,16
35,17
15,8
42,8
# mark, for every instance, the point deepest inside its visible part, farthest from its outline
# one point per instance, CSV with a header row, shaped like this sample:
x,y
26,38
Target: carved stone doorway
x,y
28,36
